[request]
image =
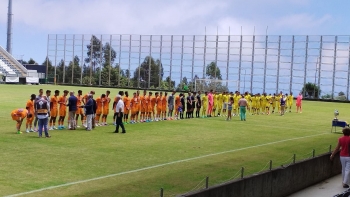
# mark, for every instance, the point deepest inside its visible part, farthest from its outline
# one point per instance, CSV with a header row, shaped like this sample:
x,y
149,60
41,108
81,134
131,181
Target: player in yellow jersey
x,y
204,104
258,103
290,101
268,103
278,102
220,102
214,104
236,98
253,104
248,97
273,98
225,102
263,103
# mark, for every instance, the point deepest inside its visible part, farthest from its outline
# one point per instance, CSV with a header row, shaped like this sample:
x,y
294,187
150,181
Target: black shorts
x,y
198,105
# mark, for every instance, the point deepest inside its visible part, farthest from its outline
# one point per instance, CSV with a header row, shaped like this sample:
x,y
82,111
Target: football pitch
x,y
173,155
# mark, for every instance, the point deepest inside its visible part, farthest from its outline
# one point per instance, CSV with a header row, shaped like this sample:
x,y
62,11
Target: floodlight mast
x,y
9,28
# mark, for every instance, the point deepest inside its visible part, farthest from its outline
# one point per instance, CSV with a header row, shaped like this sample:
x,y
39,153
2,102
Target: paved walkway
x,y
327,188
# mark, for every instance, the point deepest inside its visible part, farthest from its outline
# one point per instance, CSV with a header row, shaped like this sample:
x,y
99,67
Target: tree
x,y
31,61
59,72
150,70
341,93
312,90
50,70
73,66
213,71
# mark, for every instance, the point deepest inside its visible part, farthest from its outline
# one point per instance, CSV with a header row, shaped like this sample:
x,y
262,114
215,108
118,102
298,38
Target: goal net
x,y
205,85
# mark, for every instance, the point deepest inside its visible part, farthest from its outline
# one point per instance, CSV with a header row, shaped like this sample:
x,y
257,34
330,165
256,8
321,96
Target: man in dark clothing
x,y
89,112
188,105
182,101
72,108
193,103
198,104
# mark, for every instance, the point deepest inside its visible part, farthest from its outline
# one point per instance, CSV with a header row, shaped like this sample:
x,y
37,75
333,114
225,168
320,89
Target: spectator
x,y
343,146
42,111
243,104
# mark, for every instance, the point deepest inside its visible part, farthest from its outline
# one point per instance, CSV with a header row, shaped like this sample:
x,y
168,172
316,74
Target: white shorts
x,y
225,106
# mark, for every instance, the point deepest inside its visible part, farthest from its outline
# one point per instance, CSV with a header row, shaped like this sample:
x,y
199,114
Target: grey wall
x,y
277,182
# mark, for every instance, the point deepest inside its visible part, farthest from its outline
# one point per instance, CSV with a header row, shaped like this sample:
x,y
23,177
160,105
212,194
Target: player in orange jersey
x,y
30,109
148,107
159,105
80,111
99,103
153,104
133,107
126,101
62,101
164,105
54,110
177,105
138,106
19,115
105,110
143,106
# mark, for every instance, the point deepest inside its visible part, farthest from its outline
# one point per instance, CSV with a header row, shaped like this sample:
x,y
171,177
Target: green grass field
x,y
174,155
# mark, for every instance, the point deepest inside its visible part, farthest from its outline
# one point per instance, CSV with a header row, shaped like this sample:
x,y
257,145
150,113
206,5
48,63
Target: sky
x,y
33,20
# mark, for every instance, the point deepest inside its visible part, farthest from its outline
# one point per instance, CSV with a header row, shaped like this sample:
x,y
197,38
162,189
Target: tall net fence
x,y
258,63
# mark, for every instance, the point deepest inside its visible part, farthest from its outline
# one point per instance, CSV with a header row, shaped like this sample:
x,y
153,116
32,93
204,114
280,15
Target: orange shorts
x,y
159,110
105,111
80,111
63,112
30,120
133,111
144,109
164,109
18,117
53,113
99,111
126,111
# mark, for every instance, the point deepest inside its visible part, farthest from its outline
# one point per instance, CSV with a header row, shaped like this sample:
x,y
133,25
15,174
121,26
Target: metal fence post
x,y
161,192
270,165
294,159
207,182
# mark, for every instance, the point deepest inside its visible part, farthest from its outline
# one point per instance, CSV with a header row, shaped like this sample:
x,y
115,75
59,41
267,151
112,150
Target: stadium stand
x,y
9,66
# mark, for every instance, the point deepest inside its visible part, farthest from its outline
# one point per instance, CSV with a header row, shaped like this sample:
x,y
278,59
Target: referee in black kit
x,y
119,110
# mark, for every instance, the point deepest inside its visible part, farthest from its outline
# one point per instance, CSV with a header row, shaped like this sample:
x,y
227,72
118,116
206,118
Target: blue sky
x,y
35,19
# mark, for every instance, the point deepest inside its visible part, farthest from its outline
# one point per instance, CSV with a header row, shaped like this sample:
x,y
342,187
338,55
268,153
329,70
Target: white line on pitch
x,y
159,165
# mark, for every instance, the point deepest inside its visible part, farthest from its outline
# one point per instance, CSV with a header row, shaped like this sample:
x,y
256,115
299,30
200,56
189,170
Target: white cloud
x,y
116,16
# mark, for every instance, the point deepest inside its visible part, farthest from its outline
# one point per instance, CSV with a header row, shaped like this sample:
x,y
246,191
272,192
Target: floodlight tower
x,y
9,28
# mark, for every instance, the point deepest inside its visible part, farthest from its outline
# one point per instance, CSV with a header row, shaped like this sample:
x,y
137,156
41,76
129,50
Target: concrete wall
x,y
277,182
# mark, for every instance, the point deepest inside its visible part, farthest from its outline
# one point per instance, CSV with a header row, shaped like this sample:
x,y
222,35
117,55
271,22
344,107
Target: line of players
x,y
147,108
